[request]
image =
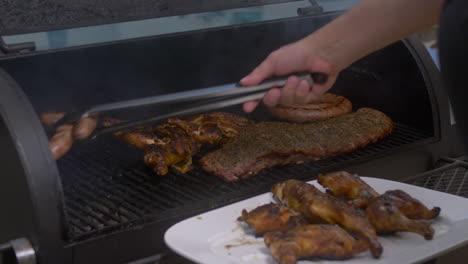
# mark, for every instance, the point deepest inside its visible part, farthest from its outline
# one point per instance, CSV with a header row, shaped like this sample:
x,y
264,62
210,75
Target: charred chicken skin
x,y
164,146
314,204
212,128
272,217
349,186
172,145
176,150
411,207
387,218
140,137
322,241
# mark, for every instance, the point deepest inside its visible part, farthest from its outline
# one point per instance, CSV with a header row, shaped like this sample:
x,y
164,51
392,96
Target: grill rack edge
x,y
451,177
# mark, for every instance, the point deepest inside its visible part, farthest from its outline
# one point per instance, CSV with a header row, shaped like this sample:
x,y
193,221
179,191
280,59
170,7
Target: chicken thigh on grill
x,y
173,144
212,128
140,137
176,153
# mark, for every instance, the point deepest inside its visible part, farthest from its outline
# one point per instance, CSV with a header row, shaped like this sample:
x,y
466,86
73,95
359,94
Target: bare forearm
x,y
371,25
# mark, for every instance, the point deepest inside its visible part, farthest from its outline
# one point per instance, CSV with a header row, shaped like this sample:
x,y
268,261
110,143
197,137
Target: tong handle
x,y
243,94
311,78
206,94
319,78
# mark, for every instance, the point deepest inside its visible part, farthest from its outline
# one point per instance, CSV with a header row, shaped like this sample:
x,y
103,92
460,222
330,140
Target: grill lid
x,y
18,17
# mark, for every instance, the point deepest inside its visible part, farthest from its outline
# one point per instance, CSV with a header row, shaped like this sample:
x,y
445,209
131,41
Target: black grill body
x,y
100,204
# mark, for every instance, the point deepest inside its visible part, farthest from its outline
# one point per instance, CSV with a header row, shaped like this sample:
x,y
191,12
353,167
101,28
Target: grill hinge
x,y
18,251
313,9
17,48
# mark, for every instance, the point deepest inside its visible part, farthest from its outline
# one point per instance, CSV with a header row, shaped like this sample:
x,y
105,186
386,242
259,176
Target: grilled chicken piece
x,y
411,207
175,150
229,124
314,204
385,215
173,144
140,137
323,241
272,217
212,128
349,186
165,146
207,133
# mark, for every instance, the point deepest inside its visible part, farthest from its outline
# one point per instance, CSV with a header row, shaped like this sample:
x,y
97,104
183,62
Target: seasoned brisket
x,y
269,144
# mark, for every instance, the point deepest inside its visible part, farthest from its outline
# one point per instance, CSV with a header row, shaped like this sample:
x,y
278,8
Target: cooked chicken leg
x,y
387,218
272,217
323,241
314,204
411,207
349,186
140,137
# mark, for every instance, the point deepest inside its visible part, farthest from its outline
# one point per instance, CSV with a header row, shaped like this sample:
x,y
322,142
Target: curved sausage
x,y
50,118
327,106
62,141
85,127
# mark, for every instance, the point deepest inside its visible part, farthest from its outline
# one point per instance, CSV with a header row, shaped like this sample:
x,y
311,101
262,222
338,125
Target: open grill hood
x,y
45,15
100,204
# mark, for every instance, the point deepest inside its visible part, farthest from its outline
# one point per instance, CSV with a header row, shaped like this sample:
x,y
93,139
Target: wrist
x,y
324,49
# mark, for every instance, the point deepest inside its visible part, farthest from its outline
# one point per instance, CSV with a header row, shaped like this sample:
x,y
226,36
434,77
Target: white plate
x,y
216,237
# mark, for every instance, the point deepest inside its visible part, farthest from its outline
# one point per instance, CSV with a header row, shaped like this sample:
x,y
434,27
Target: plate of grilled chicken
x,y
340,216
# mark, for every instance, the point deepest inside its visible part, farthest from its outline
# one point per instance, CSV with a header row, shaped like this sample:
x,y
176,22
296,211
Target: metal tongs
x,y
204,100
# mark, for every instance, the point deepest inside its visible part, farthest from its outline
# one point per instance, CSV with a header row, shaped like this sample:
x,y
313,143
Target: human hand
x,y
296,57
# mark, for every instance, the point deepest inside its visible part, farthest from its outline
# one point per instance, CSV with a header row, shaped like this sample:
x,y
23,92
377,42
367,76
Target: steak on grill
x,y
269,144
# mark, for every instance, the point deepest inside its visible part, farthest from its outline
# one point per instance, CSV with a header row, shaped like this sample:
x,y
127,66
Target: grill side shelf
x,y
450,178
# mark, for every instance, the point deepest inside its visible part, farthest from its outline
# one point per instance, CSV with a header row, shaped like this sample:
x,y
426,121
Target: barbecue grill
x,y
100,203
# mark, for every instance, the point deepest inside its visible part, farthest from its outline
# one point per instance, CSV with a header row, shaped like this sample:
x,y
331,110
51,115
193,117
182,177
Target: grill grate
x,y
107,187
450,178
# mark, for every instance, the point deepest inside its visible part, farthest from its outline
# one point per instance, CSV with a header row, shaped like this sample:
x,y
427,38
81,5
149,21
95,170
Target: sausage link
x,y
50,118
326,107
62,141
85,127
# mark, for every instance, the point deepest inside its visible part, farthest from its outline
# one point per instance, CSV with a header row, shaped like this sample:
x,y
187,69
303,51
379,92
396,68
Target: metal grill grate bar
x,y
451,178
112,195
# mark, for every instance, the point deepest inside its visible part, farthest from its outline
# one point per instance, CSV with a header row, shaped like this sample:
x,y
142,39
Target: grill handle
x,y
22,250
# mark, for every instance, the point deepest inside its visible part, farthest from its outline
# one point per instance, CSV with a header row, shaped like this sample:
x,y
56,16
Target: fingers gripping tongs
x,y
199,101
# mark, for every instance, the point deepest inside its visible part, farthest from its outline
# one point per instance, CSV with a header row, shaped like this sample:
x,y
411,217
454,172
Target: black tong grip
x,y
320,78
